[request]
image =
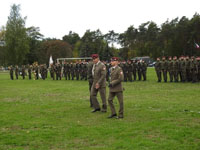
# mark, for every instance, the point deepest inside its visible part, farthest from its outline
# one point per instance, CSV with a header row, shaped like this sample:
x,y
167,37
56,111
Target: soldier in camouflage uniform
x,y
68,70
23,71
72,69
175,68
29,71
194,69
144,70
188,74
139,70
58,71
183,69
170,68
52,71
130,70
77,70
65,70
158,69
16,71
134,70
11,72
164,67
125,71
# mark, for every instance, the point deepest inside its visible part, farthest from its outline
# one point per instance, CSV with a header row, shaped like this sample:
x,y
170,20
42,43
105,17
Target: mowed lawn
x,y
42,115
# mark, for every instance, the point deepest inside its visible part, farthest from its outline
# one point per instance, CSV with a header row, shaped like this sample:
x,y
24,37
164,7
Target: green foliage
x,y
56,48
37,114
34,37
17,44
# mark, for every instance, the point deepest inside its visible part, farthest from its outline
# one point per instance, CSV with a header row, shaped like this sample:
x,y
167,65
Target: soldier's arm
x,y
103,74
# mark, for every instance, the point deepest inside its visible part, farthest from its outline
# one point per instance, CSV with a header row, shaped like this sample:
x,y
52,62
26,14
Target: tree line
x,y
21,45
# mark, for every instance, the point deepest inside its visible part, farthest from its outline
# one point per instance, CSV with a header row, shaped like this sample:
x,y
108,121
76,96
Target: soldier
x,y
23,72
11,72
16,71
52,71
194,69
198,73
77,67
68,70
115,88
144,70
72,70
99,84
90,79
164,67
170,68
130,70
29,71
158,69
175,68
65,70
134,70
183,69
58,71
188,74
85,73
36,71
45,71
139,70
125,71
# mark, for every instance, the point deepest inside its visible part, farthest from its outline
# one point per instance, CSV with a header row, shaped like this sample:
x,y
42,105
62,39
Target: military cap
x,y
114,59
94,56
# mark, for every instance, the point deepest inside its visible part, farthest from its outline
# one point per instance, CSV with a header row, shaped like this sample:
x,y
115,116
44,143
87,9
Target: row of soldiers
x,y
134,70
183,69
38,71
78,70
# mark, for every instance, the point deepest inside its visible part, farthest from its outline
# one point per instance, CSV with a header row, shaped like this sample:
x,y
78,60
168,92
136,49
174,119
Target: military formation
x,y
133,70
182,69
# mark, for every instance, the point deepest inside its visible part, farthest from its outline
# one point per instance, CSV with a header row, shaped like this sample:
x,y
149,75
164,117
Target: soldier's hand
x,y
97,86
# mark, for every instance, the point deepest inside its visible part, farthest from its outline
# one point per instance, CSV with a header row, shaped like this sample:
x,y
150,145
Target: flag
x,y
197,45
50,61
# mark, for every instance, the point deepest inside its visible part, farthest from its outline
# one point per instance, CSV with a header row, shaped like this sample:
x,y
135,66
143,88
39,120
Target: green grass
x,y
37,115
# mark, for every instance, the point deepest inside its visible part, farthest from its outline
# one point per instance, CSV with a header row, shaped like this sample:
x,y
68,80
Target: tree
x,y
71,38
56,48
2,45
34,37
17,44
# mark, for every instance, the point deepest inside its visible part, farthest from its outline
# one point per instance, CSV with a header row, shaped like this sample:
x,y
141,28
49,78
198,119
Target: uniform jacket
x,y
99,74
117,77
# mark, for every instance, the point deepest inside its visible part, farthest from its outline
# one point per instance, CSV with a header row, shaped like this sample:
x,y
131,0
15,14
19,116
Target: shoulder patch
x,y
104,68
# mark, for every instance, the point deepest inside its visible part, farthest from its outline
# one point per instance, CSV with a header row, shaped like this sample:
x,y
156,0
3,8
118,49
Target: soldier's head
x,y
158,59
169,58
174,58
163,58
95,58
114,61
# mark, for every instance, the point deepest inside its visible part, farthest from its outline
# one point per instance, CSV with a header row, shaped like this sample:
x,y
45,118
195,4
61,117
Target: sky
x,y
56,18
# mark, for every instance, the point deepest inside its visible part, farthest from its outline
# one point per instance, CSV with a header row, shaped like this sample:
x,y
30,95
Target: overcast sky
x,y
56,18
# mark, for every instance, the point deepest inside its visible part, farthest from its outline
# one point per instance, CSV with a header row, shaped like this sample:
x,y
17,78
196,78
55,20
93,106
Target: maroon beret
x,y
94,56
114,59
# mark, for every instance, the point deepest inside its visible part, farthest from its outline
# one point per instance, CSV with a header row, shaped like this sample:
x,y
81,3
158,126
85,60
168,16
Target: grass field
x,y
41,115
